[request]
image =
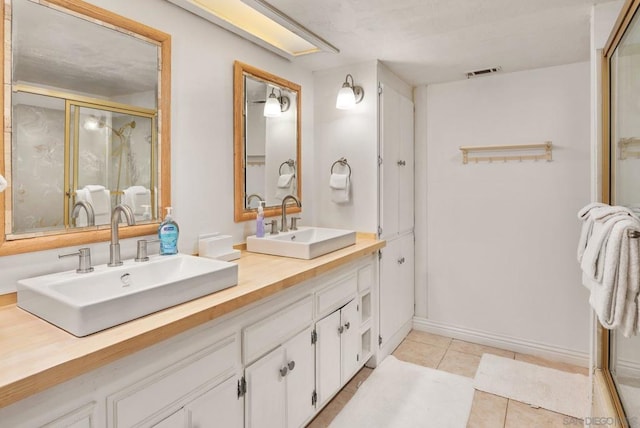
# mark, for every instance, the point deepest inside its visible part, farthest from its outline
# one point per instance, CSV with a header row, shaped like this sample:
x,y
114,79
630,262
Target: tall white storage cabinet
x,y
376,137
396,202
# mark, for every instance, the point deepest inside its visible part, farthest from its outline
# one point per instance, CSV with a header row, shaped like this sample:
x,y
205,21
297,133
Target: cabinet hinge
x,y
242,387
358,307
379,255
314,336
380,89
379,340
379,160
357,357
314,397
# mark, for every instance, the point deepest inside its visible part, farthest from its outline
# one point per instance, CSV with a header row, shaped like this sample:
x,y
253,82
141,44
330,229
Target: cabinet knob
x,y
291,365
283,371
402,163
340,329
401,260
347,325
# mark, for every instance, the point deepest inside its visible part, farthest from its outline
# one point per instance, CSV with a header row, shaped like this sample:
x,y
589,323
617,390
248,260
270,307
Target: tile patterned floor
x,y
462,358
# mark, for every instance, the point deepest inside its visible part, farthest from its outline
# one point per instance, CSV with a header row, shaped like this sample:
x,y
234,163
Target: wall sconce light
x,y
349,95
276,105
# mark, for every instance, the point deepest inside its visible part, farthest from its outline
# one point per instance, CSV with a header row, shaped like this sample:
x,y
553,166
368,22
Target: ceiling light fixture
x,y
349,95
276,105
261,23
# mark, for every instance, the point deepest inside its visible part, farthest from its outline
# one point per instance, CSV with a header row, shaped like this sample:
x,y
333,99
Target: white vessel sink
x,y
304,243
86,303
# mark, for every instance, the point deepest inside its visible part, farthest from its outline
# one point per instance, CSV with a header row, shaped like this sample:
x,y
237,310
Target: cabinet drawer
x,y
365,278
336,294
146,400
270,332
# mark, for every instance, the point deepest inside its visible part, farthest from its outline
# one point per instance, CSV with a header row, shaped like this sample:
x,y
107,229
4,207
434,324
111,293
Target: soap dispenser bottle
x,y
168,234
260,221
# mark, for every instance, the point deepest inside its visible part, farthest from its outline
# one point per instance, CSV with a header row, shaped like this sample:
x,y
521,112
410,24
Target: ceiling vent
x,y
483,72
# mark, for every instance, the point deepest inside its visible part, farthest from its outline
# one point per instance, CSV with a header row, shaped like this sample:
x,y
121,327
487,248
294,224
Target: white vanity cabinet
x,y
337,350
264,365
280,385
198,390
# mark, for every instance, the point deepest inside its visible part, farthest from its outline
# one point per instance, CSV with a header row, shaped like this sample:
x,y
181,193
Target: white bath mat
x,y
401,395
551,389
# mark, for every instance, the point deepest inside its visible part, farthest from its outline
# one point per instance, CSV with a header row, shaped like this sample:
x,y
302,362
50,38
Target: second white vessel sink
x,y
304,243
86,303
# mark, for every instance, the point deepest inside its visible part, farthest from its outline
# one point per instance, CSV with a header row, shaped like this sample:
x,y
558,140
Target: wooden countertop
x,y
35,355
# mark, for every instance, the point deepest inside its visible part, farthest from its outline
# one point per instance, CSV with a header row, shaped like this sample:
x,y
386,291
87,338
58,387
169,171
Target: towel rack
x,y
626,146
343,162
545,147
291,163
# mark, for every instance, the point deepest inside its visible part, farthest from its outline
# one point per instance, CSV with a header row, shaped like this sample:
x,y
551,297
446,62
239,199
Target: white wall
x,y
352,134
501,237
201,132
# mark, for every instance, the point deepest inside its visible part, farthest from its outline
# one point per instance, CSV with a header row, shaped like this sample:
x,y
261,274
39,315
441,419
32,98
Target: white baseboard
x,y
503,342
628,368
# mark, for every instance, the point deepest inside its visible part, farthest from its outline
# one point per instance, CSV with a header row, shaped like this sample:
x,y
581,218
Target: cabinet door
x,y
396,285
176,420
350,345
389,151
405,169
219,406
328,357
407,272
266,391
300,378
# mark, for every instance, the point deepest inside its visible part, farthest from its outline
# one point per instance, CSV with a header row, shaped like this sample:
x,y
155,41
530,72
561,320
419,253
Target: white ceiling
x,y
428,41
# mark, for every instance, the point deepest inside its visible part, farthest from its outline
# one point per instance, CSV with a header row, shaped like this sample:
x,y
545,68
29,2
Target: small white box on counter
x,y
216,246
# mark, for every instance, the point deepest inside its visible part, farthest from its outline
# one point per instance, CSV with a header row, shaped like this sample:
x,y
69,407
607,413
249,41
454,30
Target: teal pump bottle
x,y
168,234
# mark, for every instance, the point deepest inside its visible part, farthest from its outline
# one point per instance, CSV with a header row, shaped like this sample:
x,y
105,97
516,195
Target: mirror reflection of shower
x,y
123,133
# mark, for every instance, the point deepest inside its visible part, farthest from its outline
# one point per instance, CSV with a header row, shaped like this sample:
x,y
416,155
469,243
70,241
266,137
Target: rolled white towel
x,y
3,183
136,197
285,185
100,199
340,186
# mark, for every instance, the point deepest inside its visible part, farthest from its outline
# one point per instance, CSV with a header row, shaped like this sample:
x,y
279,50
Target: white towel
x,y
340,186
587,226
285,185
593,258
136,197
611,297
630,321
3,183
100,199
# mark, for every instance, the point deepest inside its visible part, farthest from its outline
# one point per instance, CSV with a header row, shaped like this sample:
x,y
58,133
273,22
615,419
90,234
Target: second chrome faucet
x,y
114,248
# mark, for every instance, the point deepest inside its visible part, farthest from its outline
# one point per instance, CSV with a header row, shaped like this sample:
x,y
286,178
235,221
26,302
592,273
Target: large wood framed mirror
x,y
87,124
267,142
621,186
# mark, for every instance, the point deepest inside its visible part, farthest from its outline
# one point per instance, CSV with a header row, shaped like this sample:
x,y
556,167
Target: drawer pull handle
x,y
291,365
283,371
347,325
340,329
401,260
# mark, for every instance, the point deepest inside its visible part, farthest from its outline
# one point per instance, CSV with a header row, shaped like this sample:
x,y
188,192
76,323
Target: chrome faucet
x,y
114,248
91,217
283,225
